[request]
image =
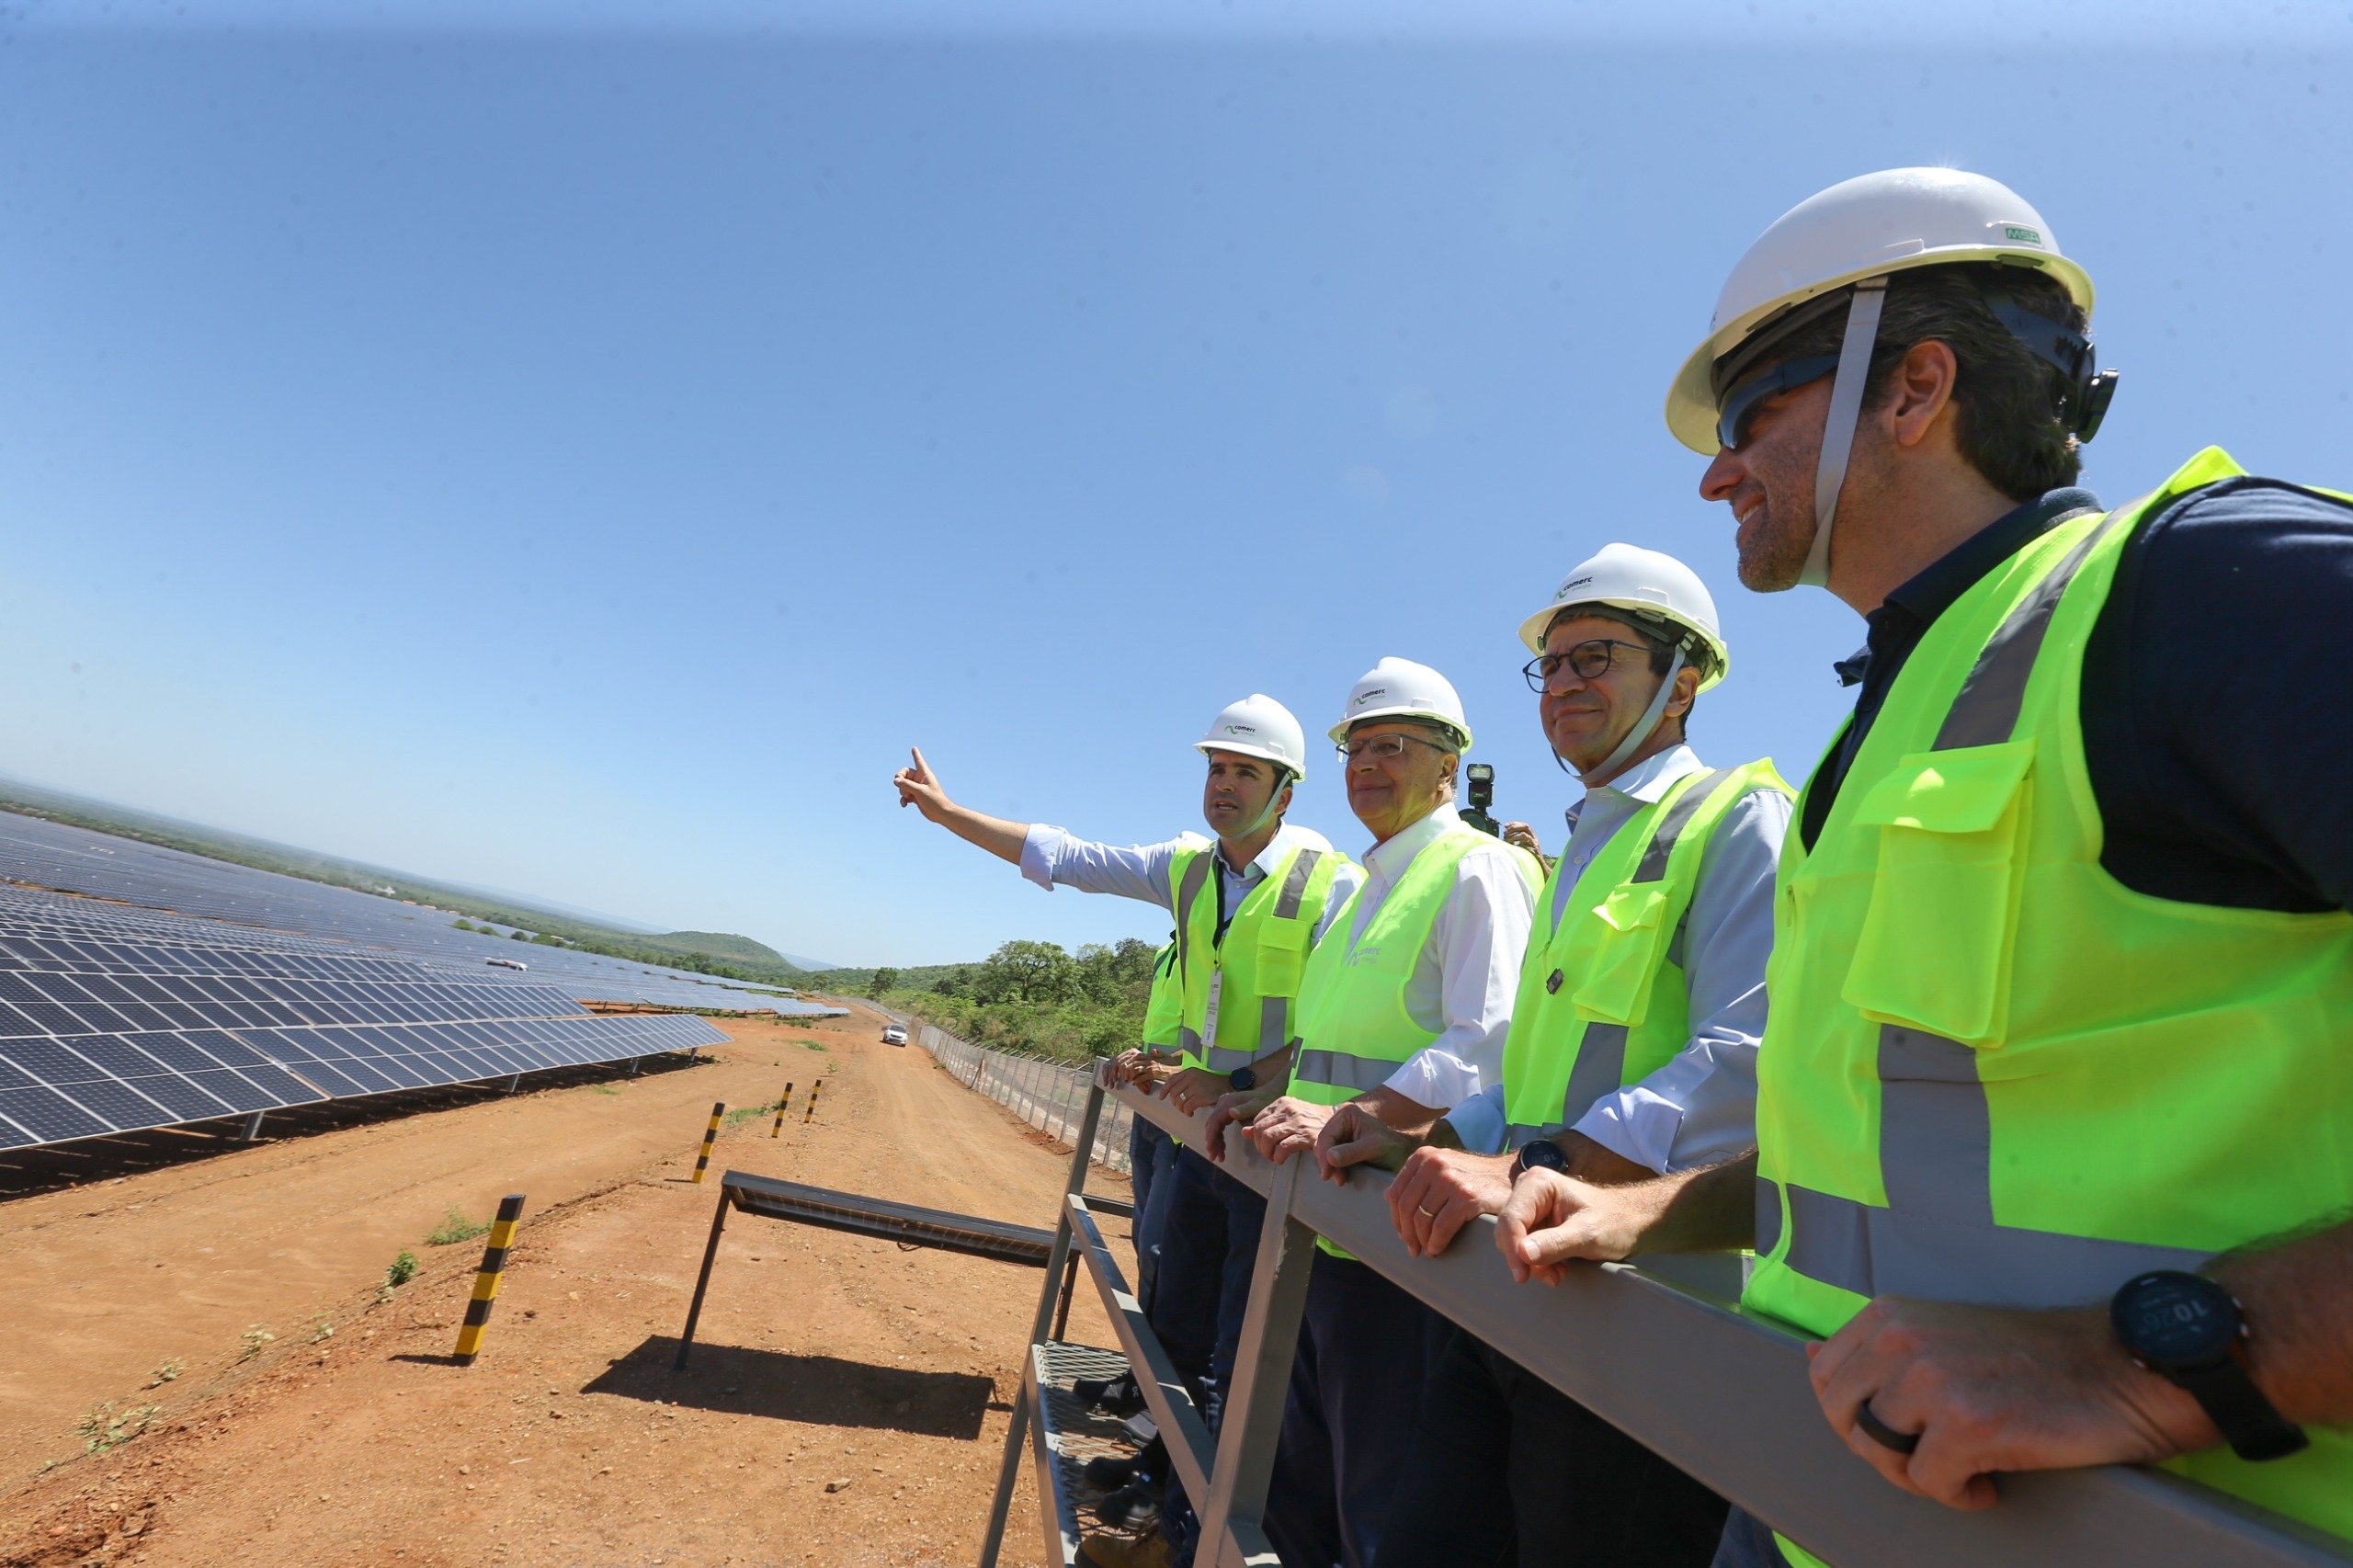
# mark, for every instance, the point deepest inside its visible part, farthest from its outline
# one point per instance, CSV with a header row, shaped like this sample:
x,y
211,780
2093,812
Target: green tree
x,y
1034,972
885,979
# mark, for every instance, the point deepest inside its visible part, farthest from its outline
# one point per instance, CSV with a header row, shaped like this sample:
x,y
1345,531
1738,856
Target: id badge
x,y
1208,1020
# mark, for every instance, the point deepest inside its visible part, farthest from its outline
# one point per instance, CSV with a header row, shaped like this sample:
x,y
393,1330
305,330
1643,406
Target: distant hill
x,y
721,945
812,965
706,952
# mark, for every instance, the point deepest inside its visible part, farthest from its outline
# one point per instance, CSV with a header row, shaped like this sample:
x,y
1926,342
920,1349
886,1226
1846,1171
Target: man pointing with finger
x,y
1248,912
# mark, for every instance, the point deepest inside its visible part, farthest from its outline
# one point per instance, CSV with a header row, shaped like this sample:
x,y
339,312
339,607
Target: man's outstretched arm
x,y
919,786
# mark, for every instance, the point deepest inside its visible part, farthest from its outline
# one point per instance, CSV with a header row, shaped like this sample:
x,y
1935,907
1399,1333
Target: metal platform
x,y
1064,1433
863,1216
860,1216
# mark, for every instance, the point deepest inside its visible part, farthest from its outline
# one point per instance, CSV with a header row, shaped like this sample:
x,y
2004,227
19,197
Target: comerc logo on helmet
x,y
1365,697
1231,729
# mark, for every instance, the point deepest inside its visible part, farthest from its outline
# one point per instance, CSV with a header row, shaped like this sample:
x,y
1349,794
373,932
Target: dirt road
x,y
847,1405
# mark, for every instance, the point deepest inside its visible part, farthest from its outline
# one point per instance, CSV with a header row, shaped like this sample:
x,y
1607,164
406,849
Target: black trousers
x,y
1508,1471
1349,1437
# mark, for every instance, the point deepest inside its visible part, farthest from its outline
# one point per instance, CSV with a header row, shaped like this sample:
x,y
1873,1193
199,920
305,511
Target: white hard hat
x,y
1400,689
1653,587
1258,726
1869,226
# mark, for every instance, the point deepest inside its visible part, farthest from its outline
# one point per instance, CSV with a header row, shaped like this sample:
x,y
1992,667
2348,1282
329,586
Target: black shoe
x,y
1109,1475
1114,1396
1134,1506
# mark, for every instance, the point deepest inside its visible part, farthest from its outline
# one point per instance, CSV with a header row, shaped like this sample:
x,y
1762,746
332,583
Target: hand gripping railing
x,y
1662,1351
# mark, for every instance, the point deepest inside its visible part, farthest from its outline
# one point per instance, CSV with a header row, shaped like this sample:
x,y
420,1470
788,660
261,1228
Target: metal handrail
x,y
1663,1351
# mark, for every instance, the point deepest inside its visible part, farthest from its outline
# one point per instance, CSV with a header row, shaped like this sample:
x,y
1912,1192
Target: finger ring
x,y
1879,1432
1425,1213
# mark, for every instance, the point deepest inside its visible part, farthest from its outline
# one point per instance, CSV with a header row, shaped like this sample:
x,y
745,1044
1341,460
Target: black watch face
x,y
1544,1152
2175,1320
1243,1078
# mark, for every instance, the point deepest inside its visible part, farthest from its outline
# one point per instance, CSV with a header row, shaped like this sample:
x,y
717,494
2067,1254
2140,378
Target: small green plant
x,y
106,1426
166,1372
455,1228
815,1045
321,1328
744,1113
607,1089
402,1269
253,1339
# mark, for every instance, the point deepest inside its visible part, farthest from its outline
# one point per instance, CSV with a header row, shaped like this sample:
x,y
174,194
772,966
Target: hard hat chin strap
x,y
1839,427
1642,728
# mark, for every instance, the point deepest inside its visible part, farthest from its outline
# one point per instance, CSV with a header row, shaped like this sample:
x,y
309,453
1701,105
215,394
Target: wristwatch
x,y
1243,1078
2191,1332
1542,1152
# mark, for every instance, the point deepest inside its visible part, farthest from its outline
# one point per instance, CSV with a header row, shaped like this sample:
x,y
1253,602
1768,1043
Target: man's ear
x,y
1921,388
1687,692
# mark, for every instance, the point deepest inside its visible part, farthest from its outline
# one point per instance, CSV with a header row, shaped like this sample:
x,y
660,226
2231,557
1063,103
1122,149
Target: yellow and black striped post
x,y
811,1109
782,1107
494,1266
709,1136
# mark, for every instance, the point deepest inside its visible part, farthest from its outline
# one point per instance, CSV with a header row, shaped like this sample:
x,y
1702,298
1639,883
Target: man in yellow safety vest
x,y
1631,1053
2055,1105
1403,1012
1248,909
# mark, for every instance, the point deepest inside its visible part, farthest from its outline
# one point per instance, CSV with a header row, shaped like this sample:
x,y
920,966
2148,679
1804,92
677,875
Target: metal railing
x,y
1661,1350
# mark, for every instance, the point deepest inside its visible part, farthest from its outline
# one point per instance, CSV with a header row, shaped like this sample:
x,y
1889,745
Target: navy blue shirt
x,y
2217,695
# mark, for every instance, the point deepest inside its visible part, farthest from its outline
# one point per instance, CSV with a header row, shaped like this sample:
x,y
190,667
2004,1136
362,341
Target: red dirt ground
x,y
821,1358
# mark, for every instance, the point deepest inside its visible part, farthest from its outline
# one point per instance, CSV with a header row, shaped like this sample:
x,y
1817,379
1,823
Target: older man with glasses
x,y
1402,1015
1631,1053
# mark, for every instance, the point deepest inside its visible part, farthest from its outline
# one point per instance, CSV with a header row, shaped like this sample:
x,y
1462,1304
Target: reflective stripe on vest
x,y
1257,965
1546,1015
1163,1007
1354,1030
1994,1074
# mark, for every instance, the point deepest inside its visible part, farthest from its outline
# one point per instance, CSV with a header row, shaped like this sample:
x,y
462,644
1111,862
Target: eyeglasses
x,y
1590,661
1381,748
1741,403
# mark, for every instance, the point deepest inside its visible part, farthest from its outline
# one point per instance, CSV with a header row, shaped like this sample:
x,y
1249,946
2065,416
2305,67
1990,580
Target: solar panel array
x,y
54,855
113,1019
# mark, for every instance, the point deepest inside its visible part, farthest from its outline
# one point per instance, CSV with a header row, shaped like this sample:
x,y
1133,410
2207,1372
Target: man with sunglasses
x,y
1402,1015
1631,1053
2055,1106
1247,912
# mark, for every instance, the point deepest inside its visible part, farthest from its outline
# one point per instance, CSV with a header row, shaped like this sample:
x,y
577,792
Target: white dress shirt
x,y
1053,858
1464,980
1700,1106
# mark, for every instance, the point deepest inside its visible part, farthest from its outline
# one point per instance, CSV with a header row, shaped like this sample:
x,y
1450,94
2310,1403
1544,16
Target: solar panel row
x,y
54,855
52,1091
113,1019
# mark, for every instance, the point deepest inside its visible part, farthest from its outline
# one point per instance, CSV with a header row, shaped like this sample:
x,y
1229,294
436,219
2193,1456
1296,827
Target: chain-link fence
x,y
1048,1096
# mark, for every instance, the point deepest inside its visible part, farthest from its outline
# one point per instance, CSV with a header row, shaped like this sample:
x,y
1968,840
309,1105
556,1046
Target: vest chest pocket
x,y
1615,952
1934,952
1283,955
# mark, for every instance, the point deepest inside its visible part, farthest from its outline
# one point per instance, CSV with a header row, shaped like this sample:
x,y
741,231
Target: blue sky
x,y
579,454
